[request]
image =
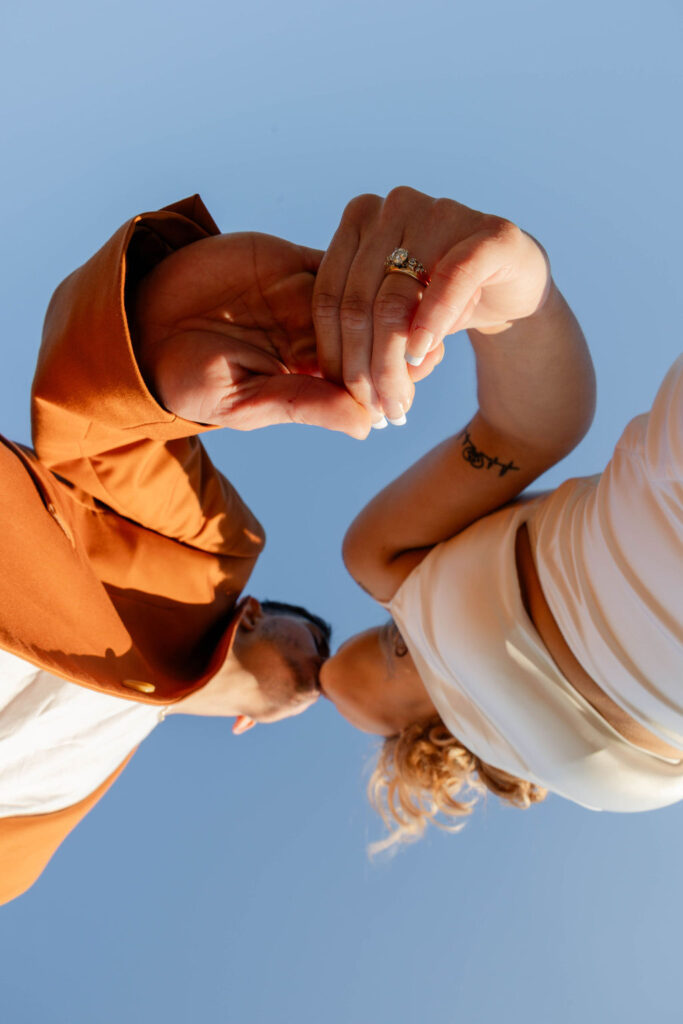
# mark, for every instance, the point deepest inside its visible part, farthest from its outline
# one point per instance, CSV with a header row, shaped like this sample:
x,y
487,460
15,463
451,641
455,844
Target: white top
x,y
609,552
610,561
60,741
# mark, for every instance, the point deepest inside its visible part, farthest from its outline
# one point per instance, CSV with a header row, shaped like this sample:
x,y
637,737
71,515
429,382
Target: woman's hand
x,y
224,335
380,332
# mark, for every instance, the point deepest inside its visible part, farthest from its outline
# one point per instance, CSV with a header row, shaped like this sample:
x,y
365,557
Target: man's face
x,y
284,652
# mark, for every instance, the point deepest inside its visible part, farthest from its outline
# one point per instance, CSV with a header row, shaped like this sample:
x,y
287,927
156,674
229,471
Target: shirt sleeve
x,y
95,422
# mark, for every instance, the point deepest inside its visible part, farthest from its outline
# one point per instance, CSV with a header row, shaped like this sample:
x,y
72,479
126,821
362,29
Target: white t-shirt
x,y
60,741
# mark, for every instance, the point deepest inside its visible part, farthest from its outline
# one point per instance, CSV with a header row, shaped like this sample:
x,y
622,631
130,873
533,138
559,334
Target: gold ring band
x,y
401,262
410,273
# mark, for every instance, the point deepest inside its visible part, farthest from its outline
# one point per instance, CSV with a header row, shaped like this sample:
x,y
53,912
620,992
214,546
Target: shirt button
x,y
137,684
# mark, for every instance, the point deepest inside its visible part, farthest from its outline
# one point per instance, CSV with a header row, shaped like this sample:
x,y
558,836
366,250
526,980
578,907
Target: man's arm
x,y
96,423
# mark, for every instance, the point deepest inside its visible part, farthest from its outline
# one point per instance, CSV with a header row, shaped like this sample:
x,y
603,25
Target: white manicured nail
x,y
380,424
398,422
416,360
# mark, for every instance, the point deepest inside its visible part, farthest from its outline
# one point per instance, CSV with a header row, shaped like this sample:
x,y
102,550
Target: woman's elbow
x,y
352,552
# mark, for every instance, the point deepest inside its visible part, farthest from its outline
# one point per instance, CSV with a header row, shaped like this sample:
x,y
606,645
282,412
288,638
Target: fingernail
x,y
421,340
380,424
396,414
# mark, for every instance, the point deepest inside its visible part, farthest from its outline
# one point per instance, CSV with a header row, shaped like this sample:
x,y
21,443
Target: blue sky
x,y
226,880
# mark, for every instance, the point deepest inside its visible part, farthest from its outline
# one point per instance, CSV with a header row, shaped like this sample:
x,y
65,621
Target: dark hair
x,y
282,608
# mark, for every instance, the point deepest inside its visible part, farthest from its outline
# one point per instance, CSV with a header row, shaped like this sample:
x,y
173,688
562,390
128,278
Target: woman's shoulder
x,y
501,524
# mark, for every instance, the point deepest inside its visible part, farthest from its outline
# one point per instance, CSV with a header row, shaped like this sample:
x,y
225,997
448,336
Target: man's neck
x,y
226,695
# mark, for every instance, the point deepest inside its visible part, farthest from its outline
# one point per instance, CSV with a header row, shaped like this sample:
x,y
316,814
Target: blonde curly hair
x,y
421,773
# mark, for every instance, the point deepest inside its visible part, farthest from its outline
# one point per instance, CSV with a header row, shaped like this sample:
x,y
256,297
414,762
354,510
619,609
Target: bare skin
x,y
388,695
373,682
536,393
270,673
224,335
242,331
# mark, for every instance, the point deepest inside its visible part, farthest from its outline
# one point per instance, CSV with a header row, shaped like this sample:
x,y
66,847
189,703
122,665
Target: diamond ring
x,y
401,262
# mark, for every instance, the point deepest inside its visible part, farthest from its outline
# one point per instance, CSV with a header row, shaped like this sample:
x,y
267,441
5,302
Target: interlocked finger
x,y
405,282
332,279
368,289
359,324
393,312
326,304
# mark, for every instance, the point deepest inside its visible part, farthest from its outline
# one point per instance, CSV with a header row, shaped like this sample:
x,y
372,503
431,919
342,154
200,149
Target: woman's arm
x,y
536,391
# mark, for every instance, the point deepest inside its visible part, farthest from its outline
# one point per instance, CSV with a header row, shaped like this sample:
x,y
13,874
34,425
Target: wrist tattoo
x,y
480,460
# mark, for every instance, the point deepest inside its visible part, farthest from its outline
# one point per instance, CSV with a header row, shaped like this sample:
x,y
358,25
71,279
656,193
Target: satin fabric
x,y
608,551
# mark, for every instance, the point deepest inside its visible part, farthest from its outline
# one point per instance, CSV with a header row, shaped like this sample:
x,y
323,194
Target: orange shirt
x,y
123,549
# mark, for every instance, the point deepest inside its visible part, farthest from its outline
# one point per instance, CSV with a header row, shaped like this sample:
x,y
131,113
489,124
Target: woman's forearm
x,y
535,378
536,391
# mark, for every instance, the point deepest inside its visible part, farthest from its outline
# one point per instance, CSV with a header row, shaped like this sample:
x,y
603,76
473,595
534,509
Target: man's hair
x,y
282,608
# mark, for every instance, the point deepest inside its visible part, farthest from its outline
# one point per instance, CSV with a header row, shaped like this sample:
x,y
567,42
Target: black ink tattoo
x,y
479,460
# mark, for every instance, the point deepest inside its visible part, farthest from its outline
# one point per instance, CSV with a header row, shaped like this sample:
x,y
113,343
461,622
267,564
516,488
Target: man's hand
x,y
224,335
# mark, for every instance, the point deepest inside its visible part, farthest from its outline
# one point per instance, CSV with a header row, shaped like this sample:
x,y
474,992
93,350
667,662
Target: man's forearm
x,y
535,378
95,422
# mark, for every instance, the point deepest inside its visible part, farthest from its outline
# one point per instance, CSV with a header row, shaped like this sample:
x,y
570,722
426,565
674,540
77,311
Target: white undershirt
x,y
59,741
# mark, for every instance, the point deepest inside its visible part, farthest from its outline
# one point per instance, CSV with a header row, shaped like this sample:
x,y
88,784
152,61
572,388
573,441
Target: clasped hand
x,y
248,330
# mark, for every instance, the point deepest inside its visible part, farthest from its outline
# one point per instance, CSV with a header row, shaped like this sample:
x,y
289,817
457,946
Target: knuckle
x,y
501,230
356,380
393,310
445,274
361,207
401,195
443,208
354,313
325,307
